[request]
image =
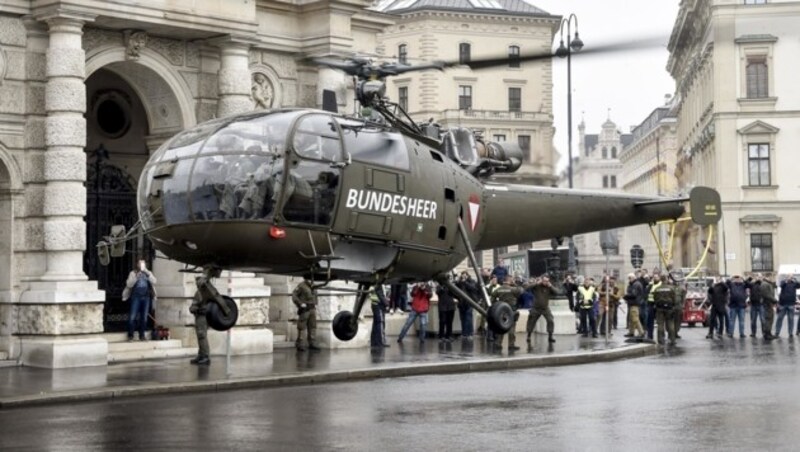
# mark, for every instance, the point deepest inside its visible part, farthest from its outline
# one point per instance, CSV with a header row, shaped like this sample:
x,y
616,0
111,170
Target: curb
x,y
335,376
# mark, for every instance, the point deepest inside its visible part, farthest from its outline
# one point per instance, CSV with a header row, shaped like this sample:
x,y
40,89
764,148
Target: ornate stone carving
x,y
95,37
135,41
171,49
192,55
262,92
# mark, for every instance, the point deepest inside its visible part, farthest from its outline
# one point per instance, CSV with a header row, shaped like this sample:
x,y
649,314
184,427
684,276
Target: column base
x,y
563,318
62,292
327,340
57,353
244,340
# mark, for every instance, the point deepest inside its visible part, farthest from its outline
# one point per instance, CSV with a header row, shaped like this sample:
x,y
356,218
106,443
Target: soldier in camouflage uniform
x,y
508,293
303,297
664,300
198,308
767,291
677,311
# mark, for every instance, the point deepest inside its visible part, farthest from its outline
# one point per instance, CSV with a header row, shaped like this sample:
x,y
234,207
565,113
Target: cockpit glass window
x,y
188,142
226,187
317,138
262,134
374,145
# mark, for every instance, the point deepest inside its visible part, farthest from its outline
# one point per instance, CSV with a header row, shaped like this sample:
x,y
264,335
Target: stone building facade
x,y
735,66
511,103
597,168
87,91
648,168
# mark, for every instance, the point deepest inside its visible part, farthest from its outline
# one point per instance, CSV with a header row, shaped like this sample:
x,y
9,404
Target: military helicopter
x,y
370,200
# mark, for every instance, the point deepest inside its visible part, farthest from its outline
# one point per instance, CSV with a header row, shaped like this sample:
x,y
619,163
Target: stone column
x,y
234,76
62,301
250,336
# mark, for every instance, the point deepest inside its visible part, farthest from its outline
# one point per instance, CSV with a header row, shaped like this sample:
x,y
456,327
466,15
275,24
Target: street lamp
x,y
565,51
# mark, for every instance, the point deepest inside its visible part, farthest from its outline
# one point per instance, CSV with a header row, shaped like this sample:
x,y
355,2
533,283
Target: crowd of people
x,y
647,300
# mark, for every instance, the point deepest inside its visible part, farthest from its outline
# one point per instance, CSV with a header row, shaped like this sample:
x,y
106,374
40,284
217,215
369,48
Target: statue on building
x,y
135,41
261,91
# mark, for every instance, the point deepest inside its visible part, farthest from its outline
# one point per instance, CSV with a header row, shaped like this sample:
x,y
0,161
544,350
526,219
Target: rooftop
x,y
515,7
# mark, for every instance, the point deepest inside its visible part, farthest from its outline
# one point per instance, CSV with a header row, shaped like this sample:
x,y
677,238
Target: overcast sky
x,y
631,84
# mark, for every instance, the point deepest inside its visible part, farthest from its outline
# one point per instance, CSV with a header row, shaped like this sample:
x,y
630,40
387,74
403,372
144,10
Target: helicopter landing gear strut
x,y
499,316
345,323
221,310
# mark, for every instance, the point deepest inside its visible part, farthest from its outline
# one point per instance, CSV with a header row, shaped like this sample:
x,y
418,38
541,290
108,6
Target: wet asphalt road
x,y
735,394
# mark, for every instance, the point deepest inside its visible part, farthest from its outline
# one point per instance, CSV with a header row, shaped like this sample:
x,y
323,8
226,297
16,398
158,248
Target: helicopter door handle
x,y
348,160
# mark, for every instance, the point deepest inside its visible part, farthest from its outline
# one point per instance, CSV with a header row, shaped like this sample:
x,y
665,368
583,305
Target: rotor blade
x,y
348,67
483,63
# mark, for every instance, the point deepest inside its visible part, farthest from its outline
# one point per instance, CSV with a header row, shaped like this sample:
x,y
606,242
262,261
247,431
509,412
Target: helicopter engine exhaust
x,y
505,157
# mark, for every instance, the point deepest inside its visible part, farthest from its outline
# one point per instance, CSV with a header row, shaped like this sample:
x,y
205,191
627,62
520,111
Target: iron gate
x,y
110,200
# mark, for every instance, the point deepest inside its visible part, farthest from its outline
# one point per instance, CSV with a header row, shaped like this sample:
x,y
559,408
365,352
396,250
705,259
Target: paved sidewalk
x,y
21,386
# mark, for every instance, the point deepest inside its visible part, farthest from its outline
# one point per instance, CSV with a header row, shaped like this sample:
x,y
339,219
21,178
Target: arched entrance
x,y
130,110
6,228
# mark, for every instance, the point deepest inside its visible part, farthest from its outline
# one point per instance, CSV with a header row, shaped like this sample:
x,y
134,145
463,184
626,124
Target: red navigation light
x,y
277,233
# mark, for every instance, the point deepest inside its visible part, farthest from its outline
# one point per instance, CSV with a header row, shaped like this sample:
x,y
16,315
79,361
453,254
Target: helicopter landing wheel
x,y
345,326
216,317
500,318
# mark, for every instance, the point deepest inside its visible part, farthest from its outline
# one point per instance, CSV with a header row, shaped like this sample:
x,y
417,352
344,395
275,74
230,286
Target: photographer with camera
x,y
420,304
470,287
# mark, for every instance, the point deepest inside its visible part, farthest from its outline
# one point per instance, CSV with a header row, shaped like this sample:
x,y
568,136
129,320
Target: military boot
x,y
550,338
201,360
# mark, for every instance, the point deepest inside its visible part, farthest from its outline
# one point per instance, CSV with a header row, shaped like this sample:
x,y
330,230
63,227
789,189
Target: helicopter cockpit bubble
x,y
219,170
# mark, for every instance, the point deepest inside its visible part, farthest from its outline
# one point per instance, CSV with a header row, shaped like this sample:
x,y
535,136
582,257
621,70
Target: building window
x,y
613,183
524,142
499,137
464,97
605,152
402,95
402,54
513,56
758,164
761,252
757,77
464,53
614,152
605,181
515,99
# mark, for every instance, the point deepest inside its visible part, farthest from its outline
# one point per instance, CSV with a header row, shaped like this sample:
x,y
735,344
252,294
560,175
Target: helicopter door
x,y
312,182
375,192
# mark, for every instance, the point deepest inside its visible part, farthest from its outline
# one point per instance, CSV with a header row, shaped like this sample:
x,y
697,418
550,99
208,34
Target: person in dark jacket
x,y
447,312
378,303
767,291
570,287
756,307
786,302
635,298
398,298
500,271
718,296
737,304
470,287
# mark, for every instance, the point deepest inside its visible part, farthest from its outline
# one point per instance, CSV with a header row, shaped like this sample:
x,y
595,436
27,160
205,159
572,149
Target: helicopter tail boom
x,y
540,213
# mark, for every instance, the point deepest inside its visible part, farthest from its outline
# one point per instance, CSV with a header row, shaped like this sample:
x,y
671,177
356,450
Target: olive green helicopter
x,y
371,200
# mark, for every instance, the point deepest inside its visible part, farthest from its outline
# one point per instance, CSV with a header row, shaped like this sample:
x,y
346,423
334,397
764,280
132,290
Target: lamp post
x,y
565,51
